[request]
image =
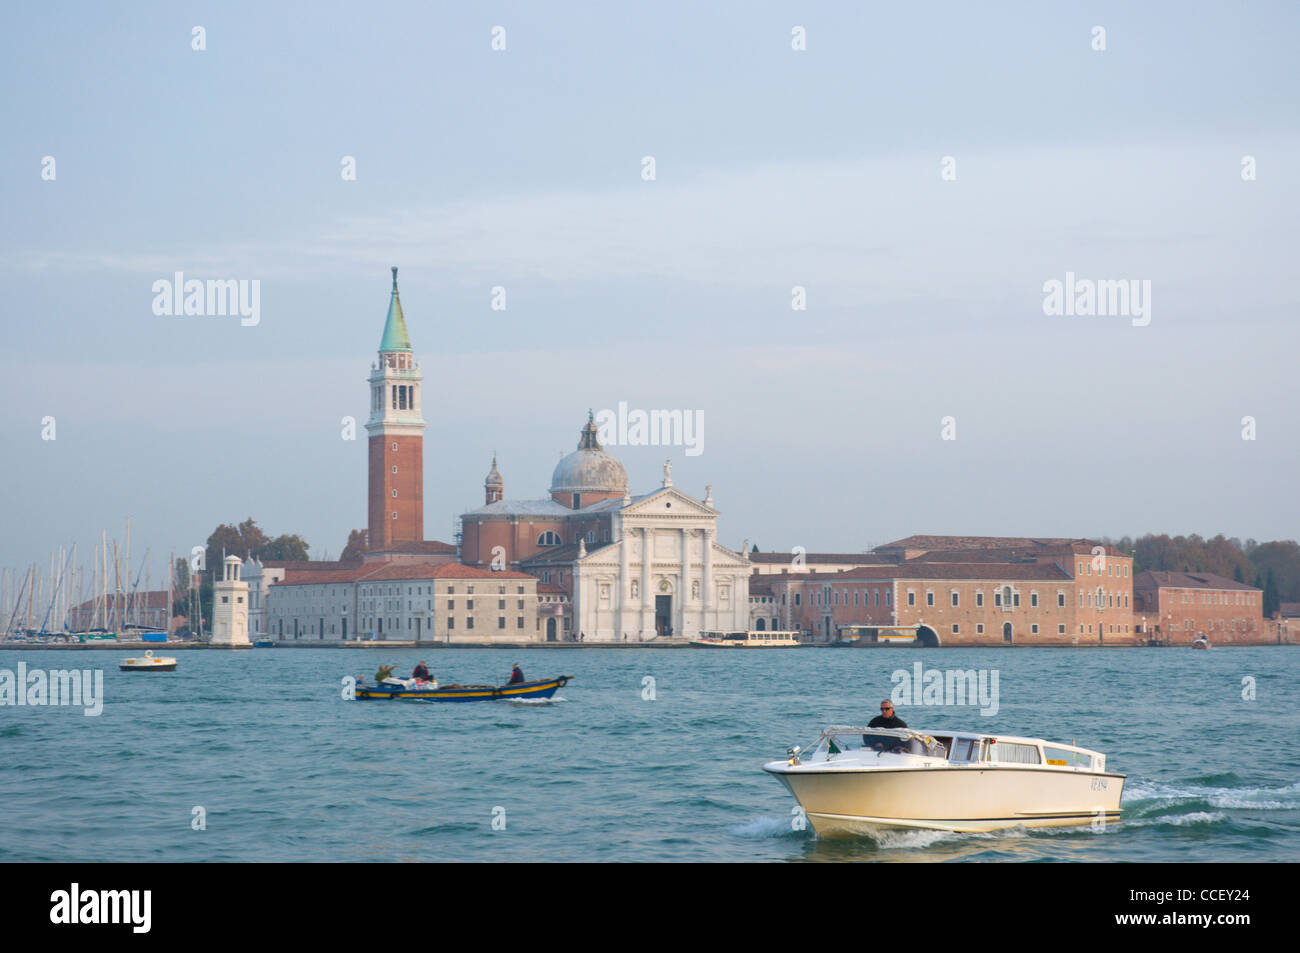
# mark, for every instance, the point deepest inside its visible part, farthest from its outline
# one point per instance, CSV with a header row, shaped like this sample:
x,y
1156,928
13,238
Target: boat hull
x,y
163,667
964,799
465,693
703,644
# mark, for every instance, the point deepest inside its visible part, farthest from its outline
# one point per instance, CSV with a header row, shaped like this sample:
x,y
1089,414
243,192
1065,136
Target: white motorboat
x,y
149,663
861,780
747,640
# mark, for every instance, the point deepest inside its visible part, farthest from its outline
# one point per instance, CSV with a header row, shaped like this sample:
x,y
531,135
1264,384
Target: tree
x,y
755,548
247,540
284,547
355,547
1272,604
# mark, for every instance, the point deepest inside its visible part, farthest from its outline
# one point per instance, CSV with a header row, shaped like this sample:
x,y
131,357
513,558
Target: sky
x,y
921,172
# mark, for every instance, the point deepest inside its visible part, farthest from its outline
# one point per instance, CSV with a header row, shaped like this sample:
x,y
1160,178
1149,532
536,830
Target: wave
x,y
769,827
1140,791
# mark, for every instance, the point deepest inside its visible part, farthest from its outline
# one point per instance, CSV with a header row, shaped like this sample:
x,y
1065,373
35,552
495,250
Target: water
x,y
286,770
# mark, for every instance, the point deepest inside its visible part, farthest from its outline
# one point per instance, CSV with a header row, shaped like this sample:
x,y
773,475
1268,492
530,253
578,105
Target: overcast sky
x,y
774,168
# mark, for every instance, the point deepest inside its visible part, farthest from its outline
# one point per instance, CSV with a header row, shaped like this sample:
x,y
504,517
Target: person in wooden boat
x,y
421,671
516,676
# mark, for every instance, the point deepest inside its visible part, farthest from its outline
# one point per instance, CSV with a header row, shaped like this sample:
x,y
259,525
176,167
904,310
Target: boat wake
x,y
768,827
537,701
1144,797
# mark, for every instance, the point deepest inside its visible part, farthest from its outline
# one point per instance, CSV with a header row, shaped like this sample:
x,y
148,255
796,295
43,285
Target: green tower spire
x,y
395,336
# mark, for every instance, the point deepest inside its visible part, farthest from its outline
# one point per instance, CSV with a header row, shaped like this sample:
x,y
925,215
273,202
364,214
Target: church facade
x,y
634,568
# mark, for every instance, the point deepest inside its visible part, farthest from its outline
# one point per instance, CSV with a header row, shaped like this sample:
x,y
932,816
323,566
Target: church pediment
x,y
669,502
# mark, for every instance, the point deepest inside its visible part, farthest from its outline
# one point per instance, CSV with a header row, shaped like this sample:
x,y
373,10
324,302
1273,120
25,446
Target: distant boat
x,y
263,644
149,663
409,689
1200,642
747,640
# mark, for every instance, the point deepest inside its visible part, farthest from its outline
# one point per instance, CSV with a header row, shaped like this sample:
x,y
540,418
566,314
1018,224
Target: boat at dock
x,y
747,640
411,689
149,663
857,780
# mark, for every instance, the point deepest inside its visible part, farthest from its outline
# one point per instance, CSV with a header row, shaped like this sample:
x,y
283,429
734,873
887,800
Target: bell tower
x,y
396,430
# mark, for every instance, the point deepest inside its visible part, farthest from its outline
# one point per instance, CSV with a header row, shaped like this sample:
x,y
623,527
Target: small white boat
x,y
862,780
747,640
150,663
1200,642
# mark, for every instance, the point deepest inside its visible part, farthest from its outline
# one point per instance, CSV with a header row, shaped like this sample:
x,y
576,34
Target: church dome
x,y
589,469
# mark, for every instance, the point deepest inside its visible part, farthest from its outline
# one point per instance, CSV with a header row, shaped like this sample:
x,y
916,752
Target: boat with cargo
x,y
413,689
856,780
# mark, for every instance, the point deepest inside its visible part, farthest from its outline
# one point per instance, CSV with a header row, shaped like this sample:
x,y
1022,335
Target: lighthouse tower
x,y
396,431
230,606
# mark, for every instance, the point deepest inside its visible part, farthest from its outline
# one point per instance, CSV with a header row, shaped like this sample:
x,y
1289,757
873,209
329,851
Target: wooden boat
x,y
150,663
409,689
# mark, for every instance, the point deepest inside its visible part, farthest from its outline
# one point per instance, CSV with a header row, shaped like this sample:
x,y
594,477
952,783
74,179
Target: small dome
x,y
494,478
589,469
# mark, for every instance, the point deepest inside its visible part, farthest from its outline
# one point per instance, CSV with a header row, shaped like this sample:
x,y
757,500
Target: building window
x,y
979,598
394,469
911,597
519,622
548,539
394,494
956,629
394,444
955,599
1060,629
929,597
470,604
979,628
501,622
1034,628
1060,599
1033,599
469,623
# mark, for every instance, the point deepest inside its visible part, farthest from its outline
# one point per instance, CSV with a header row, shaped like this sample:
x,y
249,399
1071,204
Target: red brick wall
x,y
408,481
1182,613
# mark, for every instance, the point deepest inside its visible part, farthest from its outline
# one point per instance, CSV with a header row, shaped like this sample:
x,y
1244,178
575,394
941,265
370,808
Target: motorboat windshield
x,y
842,740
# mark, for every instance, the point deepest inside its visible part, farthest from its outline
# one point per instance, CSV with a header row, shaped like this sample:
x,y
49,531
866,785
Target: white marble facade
x,y
665,575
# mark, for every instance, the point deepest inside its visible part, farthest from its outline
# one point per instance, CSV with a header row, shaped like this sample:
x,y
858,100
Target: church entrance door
x,y
663,615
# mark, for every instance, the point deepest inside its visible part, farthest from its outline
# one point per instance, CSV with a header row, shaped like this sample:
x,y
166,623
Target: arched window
x,y
548,539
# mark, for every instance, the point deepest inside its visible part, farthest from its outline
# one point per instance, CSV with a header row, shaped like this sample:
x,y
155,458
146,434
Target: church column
x,y
706,583
624,582
647,597
685,584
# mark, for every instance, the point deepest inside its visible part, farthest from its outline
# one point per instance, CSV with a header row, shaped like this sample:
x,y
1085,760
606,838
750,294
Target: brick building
x,y
969,591
1176,607
388,602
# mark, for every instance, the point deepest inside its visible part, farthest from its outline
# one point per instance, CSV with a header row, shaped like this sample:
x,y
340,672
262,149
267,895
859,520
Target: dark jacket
x,y
880,721
516,676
